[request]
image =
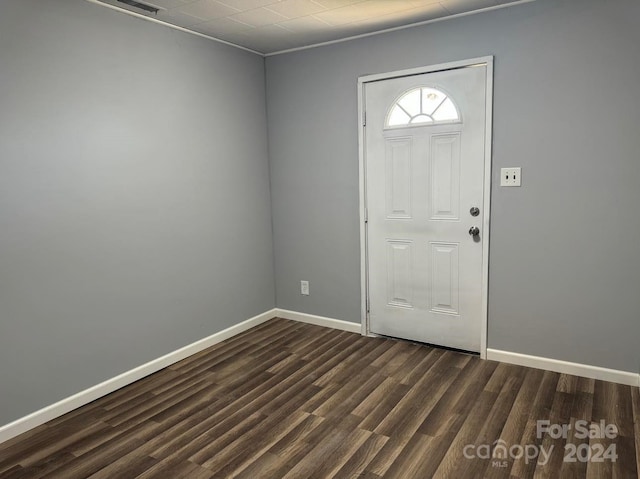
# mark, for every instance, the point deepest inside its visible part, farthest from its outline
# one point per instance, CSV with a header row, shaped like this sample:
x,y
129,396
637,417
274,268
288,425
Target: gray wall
x,y
565,261
134,195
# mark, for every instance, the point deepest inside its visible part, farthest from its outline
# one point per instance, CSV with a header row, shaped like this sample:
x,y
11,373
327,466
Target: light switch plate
x,y
510,176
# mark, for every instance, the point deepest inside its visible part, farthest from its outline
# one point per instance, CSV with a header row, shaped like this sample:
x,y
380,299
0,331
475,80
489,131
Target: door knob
x,y
474,231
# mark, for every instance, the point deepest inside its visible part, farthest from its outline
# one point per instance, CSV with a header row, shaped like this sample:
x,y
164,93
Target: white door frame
x,y
488,61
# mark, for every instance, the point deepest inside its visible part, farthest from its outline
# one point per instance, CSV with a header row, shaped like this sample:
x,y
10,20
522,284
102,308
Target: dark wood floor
x,y
287,400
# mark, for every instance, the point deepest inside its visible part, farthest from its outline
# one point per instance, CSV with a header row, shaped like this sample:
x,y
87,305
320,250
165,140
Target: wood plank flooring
x,y
291,400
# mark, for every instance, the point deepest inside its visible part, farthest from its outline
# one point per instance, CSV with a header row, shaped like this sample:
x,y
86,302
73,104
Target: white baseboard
x,y
84,397
577,369
319,320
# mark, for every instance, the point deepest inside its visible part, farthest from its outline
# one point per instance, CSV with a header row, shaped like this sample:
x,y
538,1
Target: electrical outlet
x,y
304,288
510,176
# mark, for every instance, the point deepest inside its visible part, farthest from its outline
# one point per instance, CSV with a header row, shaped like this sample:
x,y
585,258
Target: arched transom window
x,y
422,105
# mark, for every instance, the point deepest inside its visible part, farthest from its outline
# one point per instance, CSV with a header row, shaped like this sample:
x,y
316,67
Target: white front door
x,y
424,158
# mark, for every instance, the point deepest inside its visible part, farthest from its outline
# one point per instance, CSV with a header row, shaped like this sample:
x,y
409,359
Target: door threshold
x,y
430,345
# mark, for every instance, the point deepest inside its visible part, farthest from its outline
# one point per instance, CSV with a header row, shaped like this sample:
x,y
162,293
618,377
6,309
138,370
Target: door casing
x,y
362,81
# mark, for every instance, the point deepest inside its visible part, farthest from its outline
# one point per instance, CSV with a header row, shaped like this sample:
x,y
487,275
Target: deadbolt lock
x,y
475,211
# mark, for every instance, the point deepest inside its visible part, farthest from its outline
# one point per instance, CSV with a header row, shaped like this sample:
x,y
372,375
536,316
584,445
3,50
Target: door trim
x,y
362,81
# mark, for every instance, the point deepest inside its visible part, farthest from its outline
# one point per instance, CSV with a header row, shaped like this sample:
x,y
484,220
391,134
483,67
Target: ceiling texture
x,y
271,26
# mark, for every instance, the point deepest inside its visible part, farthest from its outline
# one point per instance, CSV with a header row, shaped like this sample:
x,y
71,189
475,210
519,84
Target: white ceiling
x,y
268,26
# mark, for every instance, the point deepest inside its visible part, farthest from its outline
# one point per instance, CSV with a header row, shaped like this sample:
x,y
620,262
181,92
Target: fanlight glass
x,y
422,105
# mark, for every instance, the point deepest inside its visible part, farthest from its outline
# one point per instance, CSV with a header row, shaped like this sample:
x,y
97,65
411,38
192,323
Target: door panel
x,y
424,269
445,177
399,280
444,271
398,178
